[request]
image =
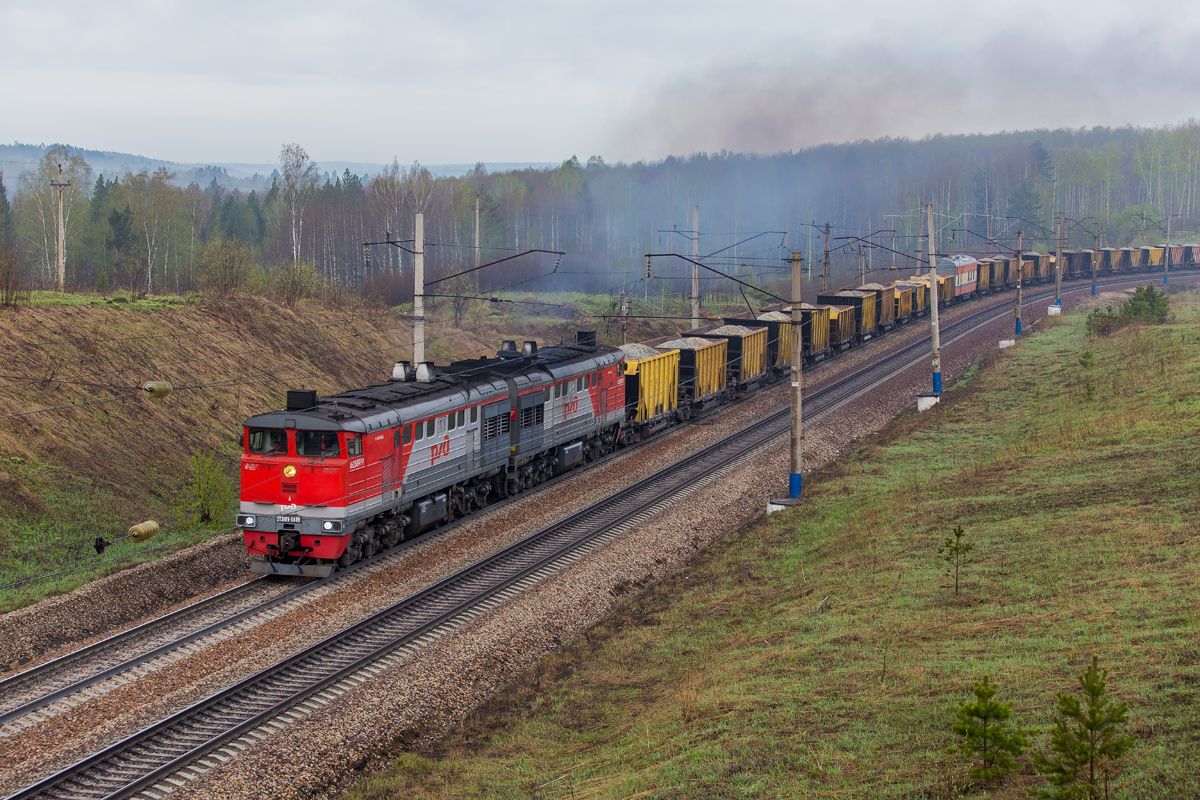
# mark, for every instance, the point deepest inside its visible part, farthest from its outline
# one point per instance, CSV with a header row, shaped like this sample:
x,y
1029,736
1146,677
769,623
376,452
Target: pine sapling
x,y
986,735
957,553
1085,741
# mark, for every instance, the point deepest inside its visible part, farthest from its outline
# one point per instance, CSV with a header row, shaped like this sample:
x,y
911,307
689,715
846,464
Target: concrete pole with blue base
x,y
927,400
1058,260
1167,255
1020,277
933,307
796,457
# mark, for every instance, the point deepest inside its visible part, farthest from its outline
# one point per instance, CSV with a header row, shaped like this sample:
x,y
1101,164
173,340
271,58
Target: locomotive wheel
x,y
350,555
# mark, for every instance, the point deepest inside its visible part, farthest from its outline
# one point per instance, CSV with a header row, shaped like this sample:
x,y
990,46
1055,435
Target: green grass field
x,y
822,652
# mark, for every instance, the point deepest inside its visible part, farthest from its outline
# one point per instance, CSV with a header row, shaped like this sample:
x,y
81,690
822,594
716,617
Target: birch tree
x,y
298,180
37,206
153,200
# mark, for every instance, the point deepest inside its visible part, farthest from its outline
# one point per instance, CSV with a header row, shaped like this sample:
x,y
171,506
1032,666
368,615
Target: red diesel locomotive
x,y
330,481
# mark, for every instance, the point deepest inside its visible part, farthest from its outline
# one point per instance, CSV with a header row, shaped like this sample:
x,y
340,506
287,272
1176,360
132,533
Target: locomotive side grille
x,y
288,488
533,416
495,426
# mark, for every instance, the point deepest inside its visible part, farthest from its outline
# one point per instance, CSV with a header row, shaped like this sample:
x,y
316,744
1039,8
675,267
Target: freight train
x,y
329,481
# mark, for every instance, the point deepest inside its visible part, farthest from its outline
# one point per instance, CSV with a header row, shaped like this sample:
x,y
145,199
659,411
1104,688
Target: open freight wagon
x,y
746,361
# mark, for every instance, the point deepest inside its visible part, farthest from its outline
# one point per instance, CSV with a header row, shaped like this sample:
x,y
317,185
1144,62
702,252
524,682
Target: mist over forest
x,y
155,232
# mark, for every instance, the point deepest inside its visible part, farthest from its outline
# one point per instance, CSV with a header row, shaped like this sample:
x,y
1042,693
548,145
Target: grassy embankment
x,y
821,653
93,459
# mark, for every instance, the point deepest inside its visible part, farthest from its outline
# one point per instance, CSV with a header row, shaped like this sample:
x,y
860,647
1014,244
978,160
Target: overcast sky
x,y
534,80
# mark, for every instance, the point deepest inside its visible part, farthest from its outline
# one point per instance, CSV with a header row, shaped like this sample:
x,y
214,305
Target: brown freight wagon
x,y
779,337
864,309
920,296
843,327
814,329
1110,260
904,302
885,304
984,285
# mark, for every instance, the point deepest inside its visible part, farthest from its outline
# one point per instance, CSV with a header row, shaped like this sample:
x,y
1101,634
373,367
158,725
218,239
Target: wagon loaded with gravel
x,y
701,382
863,304
746,357
651,390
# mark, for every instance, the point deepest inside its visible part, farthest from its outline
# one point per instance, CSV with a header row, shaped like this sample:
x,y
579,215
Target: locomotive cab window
x,y
407,438
354,446
317,444
268,442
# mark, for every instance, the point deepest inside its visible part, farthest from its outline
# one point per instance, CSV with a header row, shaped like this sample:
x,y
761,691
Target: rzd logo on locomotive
x,y
439,451
570,408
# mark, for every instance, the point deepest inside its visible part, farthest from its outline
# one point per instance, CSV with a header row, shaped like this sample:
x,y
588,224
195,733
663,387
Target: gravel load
x,y
775,316
688,343
732,330
637,352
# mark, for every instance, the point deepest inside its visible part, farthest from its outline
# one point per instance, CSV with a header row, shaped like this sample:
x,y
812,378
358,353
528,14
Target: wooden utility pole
x,y
1020,276
1058,262
933,308
695,267
419,290
1095,256
60,184
825,274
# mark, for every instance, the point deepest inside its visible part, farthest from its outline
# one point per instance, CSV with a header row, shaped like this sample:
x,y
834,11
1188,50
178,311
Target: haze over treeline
x,y
145,232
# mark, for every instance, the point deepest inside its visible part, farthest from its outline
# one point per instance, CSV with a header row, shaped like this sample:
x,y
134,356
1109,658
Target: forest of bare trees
x,y
145,232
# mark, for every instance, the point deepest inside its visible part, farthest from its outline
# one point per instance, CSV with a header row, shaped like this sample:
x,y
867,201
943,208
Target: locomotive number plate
x,y
288,518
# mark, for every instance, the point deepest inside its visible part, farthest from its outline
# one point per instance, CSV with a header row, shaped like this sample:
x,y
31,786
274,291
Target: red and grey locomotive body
x,y
327,482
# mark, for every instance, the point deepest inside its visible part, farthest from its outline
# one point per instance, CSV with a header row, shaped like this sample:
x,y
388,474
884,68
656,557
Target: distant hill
x,y
16,158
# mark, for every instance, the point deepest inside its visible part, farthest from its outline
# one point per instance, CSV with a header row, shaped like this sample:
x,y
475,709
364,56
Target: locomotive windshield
x,y
268,442
314,444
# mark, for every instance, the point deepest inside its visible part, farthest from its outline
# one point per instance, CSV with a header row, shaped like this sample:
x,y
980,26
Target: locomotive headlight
x,y
332,525
289,471
246,520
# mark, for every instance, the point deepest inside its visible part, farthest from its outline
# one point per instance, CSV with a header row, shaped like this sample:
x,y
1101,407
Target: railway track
x,y
200,737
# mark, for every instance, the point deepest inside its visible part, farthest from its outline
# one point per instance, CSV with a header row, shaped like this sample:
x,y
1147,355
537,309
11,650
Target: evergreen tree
x,y
1043,167
1025,210
7,233
956,552
983,726
1085,742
